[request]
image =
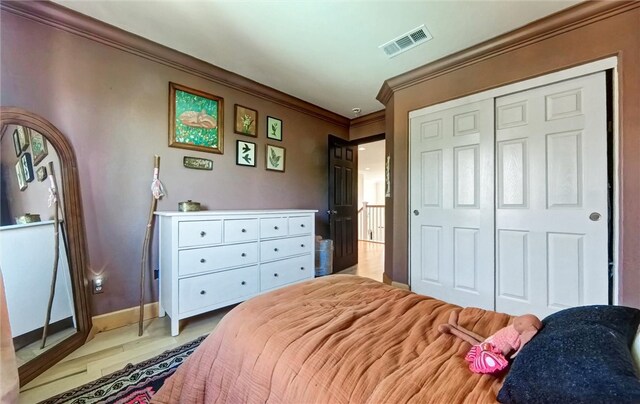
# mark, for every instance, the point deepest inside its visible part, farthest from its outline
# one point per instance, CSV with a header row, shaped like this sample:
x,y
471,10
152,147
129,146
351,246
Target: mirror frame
x,y
68,181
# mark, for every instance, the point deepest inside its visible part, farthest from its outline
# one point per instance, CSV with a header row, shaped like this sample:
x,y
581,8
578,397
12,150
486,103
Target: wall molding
x,y
62,18
555,24
368,119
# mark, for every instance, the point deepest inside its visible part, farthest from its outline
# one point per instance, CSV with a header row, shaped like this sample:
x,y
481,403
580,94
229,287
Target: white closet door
x,y
452,204
551,197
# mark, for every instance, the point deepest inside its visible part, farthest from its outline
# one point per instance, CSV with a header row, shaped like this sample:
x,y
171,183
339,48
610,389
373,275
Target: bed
x,y
338,339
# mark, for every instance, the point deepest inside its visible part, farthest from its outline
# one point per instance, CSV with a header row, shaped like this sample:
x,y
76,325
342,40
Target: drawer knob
x,y
244,230
202,260
302,268
243,254
202,292
275,227
302,245
202,234
243,283
302,225
276,274
275,249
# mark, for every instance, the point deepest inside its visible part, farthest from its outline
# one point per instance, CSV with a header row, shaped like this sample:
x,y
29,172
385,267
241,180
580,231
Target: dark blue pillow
x,y
581,355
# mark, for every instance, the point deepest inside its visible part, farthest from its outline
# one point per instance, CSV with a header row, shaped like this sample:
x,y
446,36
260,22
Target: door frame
x,y
610,63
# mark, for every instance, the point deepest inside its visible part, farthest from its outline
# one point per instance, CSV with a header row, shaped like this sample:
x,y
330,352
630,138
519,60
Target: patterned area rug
x,y
135,384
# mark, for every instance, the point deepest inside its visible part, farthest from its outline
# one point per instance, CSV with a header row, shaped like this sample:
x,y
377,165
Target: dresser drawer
x,y
278,273
211,289
240,230
200,232
285,247
273,227
300,225
206,259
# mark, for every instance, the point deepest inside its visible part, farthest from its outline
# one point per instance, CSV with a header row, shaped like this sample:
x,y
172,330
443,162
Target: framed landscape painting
x,y
195,119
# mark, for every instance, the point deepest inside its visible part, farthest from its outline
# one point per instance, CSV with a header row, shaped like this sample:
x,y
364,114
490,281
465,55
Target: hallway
x,y
370,261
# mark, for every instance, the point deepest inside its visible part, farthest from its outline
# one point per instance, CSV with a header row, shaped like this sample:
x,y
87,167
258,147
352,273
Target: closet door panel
x,y
549,187
452,204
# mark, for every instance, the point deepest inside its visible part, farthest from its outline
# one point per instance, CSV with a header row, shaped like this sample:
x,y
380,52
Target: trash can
x,y
324,257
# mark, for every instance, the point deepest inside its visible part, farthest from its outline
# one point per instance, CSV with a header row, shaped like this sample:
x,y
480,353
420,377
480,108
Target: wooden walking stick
x,y
53,199
157,191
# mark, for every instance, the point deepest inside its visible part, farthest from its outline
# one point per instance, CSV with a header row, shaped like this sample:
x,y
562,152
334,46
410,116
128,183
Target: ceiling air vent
x,y
406,41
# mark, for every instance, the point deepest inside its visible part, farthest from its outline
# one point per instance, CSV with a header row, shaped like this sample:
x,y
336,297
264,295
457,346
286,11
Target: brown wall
x,y
113,107
561,47
367,125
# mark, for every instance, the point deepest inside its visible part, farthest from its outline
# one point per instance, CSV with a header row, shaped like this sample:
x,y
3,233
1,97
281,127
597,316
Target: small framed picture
x,y
38,147
275,158
22,184
245,153
16,143
246,121
197,163
41,173
27,167
23,135
274,128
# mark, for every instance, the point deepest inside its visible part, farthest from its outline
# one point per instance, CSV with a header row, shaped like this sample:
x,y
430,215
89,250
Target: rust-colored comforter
x,y
337,339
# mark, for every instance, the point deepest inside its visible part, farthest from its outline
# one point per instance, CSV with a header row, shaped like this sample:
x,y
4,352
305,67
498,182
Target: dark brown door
x,y
343,200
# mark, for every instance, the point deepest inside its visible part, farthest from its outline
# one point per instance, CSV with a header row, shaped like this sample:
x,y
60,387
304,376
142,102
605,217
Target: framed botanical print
x,y
245,153
246,121
275,158
195,119
23,135
41,173
22,183
16,142
27,167
38,147
274,128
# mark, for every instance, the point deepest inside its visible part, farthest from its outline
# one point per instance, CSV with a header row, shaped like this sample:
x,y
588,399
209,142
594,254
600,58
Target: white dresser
x,y
212,259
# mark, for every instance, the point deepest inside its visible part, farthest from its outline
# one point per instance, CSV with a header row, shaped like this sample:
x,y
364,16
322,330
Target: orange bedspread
x,y
337,339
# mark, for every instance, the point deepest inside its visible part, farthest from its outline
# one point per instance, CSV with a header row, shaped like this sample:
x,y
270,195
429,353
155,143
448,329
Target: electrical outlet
x,y
156,273
98,285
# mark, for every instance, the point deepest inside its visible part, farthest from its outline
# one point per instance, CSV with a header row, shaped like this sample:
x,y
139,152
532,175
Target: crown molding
x,y
368,119
555,24
62,18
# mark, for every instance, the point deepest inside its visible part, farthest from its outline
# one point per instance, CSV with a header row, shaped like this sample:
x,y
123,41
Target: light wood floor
x,y
113,350
370,261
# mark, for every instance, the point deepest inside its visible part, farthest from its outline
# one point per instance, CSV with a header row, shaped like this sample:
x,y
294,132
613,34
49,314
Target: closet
x,y
509,198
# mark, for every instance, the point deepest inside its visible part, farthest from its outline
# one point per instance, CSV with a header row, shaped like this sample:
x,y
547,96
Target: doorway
x,y
357,226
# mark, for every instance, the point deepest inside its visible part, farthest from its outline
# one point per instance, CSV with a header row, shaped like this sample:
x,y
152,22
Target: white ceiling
x,y
324,52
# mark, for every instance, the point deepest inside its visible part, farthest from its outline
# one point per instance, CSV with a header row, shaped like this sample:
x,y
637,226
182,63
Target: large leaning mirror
x,y
42,242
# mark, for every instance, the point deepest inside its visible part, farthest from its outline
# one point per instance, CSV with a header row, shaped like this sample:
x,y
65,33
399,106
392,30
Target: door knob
x,y
595,216
416,212
332,212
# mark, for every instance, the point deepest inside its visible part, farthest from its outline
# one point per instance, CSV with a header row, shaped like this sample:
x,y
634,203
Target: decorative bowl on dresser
x,y
212,259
